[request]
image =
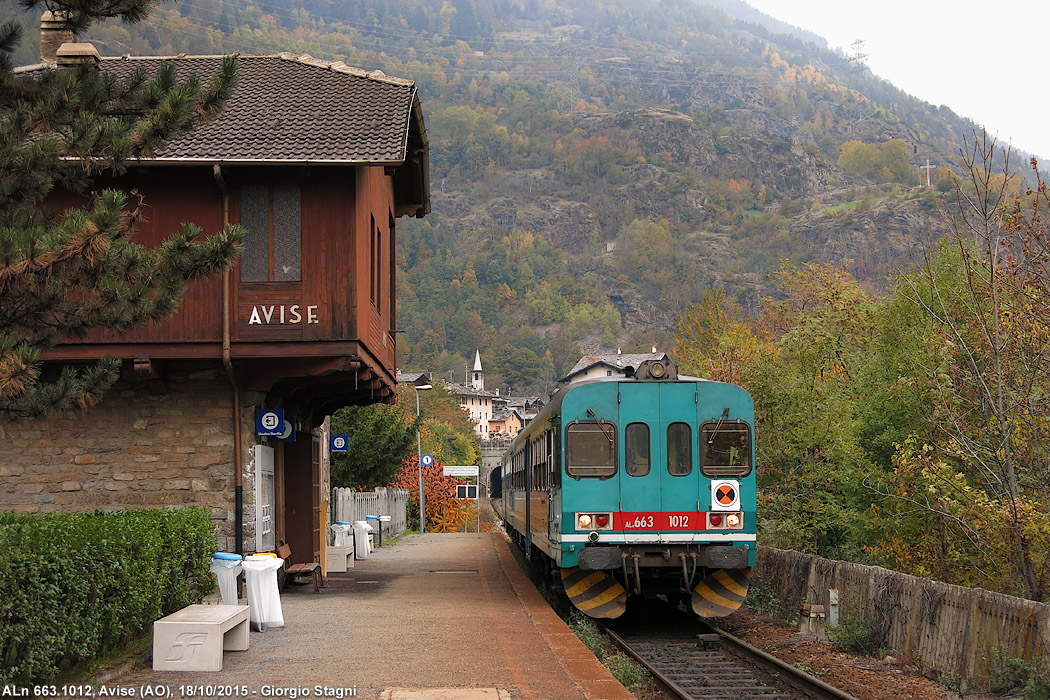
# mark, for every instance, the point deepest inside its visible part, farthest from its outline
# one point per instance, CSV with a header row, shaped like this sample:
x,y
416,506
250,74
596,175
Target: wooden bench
x,y
302,570
194,638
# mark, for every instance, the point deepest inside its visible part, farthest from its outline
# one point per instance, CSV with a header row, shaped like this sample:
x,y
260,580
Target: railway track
x,y
698,662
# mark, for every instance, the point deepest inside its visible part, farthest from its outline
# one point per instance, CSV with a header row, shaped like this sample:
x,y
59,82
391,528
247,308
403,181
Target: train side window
x,y
725,448
679,449
636,449
591,449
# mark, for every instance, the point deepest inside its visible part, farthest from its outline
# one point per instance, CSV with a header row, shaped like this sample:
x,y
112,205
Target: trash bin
x,y
342,536
264,599
362,547
227,567
377,524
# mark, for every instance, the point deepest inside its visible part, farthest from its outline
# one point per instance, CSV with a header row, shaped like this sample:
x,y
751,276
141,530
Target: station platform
x,y
428,617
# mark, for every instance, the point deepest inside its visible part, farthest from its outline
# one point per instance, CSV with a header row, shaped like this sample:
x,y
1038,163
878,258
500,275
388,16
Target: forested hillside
x,y
598,166
628,173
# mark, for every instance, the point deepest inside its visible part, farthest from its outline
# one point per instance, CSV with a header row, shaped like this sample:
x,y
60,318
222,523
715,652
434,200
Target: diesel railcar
x,y
637,485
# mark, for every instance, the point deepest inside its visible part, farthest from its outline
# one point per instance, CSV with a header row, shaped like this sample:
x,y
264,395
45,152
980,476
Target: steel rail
x,y
724,669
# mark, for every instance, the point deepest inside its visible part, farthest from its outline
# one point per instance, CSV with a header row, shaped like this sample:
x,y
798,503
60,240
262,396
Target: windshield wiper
x,y
725,414
601,426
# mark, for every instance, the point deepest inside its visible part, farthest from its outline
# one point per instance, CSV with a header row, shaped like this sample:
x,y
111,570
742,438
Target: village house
x,y
506,423
495,417
225,405
610,365
474,399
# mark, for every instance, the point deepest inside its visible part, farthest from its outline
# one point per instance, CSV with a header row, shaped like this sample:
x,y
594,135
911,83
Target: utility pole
x,y
927,168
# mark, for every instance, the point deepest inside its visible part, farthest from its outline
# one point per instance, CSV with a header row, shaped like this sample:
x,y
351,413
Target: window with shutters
x,y
272,222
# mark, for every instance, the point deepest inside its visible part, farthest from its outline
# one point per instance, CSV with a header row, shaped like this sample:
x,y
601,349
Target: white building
x,y
594,366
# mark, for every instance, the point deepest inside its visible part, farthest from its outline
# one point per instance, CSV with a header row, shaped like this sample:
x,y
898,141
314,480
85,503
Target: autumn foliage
x,y
445,512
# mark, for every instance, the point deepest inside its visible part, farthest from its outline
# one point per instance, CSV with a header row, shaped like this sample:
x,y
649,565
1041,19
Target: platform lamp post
x,y
419,463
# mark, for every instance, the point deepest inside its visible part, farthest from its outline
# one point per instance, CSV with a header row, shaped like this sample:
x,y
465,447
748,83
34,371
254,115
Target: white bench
x,y
339,559
194,638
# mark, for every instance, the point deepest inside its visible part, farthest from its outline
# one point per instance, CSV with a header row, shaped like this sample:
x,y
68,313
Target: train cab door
x,y
639,476
679,465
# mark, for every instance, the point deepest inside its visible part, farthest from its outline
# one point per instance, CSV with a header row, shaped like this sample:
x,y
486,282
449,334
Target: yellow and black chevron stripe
x,y
595,593
721,593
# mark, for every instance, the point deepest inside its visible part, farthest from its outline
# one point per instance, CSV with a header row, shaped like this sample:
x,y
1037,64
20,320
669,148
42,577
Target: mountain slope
x,y
597,166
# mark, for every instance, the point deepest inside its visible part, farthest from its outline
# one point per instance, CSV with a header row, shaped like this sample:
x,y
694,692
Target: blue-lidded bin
x,y
377,524
227,567
341,529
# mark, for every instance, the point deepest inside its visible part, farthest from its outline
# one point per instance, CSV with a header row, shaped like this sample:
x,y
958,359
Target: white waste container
x,y
227,567
264,598
362,547
342,533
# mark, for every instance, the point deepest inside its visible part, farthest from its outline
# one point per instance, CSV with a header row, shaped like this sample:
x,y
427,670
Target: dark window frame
x,y
605,429
276,242
687,443
724,470
628,462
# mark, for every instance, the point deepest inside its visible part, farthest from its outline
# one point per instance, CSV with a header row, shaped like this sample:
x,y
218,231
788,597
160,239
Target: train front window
x,y
679,449
725,448
591,449
636,449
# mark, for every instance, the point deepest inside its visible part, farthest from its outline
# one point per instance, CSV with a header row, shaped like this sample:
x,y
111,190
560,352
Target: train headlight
x,y
594,521
725,521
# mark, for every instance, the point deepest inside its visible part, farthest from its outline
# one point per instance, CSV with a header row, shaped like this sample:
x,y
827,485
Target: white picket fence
x,y
348,505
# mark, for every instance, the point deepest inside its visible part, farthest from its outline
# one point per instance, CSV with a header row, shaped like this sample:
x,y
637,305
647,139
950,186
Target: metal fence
x,y
949,630
349,505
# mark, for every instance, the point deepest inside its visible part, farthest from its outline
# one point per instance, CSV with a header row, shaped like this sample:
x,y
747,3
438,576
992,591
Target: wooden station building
x,y
317,161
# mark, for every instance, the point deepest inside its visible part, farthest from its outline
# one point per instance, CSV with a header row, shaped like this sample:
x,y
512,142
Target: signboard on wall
x,y
460,470
269,422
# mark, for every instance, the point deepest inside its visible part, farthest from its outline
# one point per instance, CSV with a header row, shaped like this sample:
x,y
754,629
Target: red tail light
x,y
601,519
715,519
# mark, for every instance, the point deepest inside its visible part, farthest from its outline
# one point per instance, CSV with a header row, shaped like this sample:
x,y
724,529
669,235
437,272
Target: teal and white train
x,y
639,485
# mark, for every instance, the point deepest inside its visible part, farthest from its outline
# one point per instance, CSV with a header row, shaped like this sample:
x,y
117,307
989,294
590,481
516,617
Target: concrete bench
x,y
194,638
339,559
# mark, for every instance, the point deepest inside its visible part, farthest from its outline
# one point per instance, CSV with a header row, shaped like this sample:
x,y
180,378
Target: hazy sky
x,y
988,61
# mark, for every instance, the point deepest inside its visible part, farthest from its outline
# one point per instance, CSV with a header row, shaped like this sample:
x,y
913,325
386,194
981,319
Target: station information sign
x,y
461,470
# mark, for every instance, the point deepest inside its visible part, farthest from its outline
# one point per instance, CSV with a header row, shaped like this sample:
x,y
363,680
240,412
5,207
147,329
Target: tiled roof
x,y
463,390
292,109
617,361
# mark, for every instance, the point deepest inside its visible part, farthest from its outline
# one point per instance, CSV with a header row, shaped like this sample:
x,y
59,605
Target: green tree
x,y
980,304
446,430
63,274
806,391
379,437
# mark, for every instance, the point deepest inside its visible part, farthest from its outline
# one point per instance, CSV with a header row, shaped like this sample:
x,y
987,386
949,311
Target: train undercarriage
x,y
712,580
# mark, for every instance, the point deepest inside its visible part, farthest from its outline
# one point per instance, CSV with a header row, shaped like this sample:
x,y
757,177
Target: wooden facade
x,y
305,321
337,317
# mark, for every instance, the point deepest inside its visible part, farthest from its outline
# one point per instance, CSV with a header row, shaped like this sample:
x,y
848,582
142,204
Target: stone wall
x,y
950,631
133,450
